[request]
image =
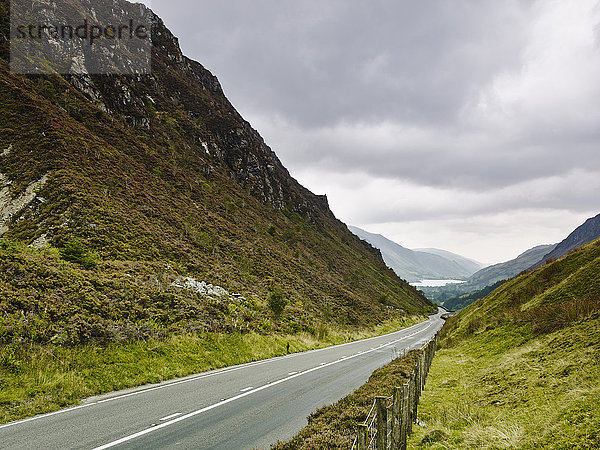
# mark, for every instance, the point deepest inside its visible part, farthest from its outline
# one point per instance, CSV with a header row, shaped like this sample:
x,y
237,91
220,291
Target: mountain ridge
x,y
450,255
131,183
583,234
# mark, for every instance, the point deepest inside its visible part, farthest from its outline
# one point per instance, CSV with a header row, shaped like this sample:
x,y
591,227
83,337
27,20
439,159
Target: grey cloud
x,y
437,157
319,62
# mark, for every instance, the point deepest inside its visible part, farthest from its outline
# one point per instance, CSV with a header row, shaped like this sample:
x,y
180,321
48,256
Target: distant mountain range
x,y
460,295
421,264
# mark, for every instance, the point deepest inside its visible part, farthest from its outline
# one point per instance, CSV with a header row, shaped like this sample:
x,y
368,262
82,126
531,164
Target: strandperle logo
x,y
80,37
85,31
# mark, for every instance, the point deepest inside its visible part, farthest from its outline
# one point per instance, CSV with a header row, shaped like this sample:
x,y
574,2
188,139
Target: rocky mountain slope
x,y
583,234
133,190
416,265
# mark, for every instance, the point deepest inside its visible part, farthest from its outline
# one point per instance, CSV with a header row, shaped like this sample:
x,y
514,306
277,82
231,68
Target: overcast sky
x,y
471,126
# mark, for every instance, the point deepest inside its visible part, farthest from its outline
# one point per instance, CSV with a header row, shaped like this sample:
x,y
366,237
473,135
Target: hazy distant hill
x,y
416,265
489,275
583,234
460,295
469,264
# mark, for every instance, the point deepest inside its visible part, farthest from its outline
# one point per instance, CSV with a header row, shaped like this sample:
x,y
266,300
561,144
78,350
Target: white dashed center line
x,y
172,416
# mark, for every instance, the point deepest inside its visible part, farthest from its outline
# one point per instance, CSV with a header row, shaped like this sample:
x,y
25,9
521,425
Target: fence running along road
x,y
388,425
247,406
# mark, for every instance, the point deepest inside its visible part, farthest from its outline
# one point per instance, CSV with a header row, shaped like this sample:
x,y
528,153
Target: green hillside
x,y
137,182
519,368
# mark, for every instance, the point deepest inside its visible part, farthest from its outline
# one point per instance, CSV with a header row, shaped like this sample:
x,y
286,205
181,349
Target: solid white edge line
x,y
200,376
239,396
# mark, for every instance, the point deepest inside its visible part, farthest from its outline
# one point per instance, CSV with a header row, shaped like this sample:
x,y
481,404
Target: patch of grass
x,y
536,393
75,251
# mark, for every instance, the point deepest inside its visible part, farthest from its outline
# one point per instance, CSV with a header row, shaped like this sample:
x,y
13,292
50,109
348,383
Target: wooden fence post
x,y
361,440
414,397
423,373
405,416
397,417
404,407
381,438
418,382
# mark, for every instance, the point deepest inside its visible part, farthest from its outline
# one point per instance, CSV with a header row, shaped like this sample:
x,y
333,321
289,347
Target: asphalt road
x,y
247,406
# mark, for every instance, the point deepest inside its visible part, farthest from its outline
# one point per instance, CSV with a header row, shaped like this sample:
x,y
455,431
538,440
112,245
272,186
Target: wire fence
x,y
389,424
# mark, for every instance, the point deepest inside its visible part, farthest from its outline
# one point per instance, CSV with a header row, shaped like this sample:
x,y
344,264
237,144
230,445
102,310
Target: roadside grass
x,y
37,379
334,426
508,388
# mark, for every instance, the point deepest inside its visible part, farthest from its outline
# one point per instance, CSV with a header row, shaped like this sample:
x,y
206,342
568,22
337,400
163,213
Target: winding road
x,y
247,406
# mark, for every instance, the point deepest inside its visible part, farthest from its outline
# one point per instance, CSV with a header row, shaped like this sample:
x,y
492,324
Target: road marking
x,y
292,373
210,374
237,397
247,389
172,416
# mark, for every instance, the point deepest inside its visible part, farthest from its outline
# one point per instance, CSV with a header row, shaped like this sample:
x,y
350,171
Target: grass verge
x,y
511,388
38,379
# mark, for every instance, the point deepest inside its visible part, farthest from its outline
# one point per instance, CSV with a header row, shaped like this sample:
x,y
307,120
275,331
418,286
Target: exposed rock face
x,y
184,85
205,289
11,205
72,37
583,234
177,85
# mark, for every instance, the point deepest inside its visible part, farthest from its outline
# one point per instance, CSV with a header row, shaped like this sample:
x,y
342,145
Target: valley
x,y
167,281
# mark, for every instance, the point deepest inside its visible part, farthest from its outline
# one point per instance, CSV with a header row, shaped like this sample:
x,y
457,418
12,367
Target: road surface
x,y
248,406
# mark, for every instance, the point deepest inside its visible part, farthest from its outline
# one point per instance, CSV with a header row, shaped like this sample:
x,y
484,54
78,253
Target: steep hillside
x,y
519,368
138,181
414,265
488,276
458,296
583,234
